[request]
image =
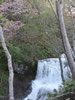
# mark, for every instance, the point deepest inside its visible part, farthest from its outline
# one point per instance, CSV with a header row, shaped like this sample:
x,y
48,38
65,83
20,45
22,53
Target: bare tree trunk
x,y
53,8
10,68
61,68
74,45
67,47
69,8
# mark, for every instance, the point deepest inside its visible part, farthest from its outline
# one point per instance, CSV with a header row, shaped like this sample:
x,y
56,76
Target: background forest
x,y
26,39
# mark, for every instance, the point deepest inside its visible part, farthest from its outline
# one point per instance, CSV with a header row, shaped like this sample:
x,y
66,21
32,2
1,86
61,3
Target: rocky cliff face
x,y
24,69
22,87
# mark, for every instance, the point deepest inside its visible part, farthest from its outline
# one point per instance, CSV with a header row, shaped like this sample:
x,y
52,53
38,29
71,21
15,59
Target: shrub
x,y
68,86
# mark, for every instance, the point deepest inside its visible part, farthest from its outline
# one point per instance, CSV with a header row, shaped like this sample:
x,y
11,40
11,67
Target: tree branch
x,y
53,8
64,96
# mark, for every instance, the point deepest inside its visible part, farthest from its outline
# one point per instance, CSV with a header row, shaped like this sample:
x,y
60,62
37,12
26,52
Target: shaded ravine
x,y
48,78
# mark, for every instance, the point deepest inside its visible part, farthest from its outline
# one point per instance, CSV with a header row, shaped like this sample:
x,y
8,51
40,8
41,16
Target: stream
x,y
48,78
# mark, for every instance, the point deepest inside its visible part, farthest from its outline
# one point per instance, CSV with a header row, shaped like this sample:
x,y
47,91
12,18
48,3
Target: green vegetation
x,y
1,1
1,16
3,82
68,86
31,43
16,53
3,59
3,72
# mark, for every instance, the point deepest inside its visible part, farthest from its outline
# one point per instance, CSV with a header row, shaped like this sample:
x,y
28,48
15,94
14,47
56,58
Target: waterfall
x,y
48,78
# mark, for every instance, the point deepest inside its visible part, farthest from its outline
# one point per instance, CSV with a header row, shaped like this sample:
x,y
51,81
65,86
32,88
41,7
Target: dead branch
x,y
65,96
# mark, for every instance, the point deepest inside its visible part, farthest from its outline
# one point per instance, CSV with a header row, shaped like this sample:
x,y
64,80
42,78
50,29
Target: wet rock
x,y
20,68
24,69
28,90
42,94
22,85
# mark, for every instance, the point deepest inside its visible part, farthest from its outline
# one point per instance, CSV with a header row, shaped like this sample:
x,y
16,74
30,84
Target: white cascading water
x,y
48,78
